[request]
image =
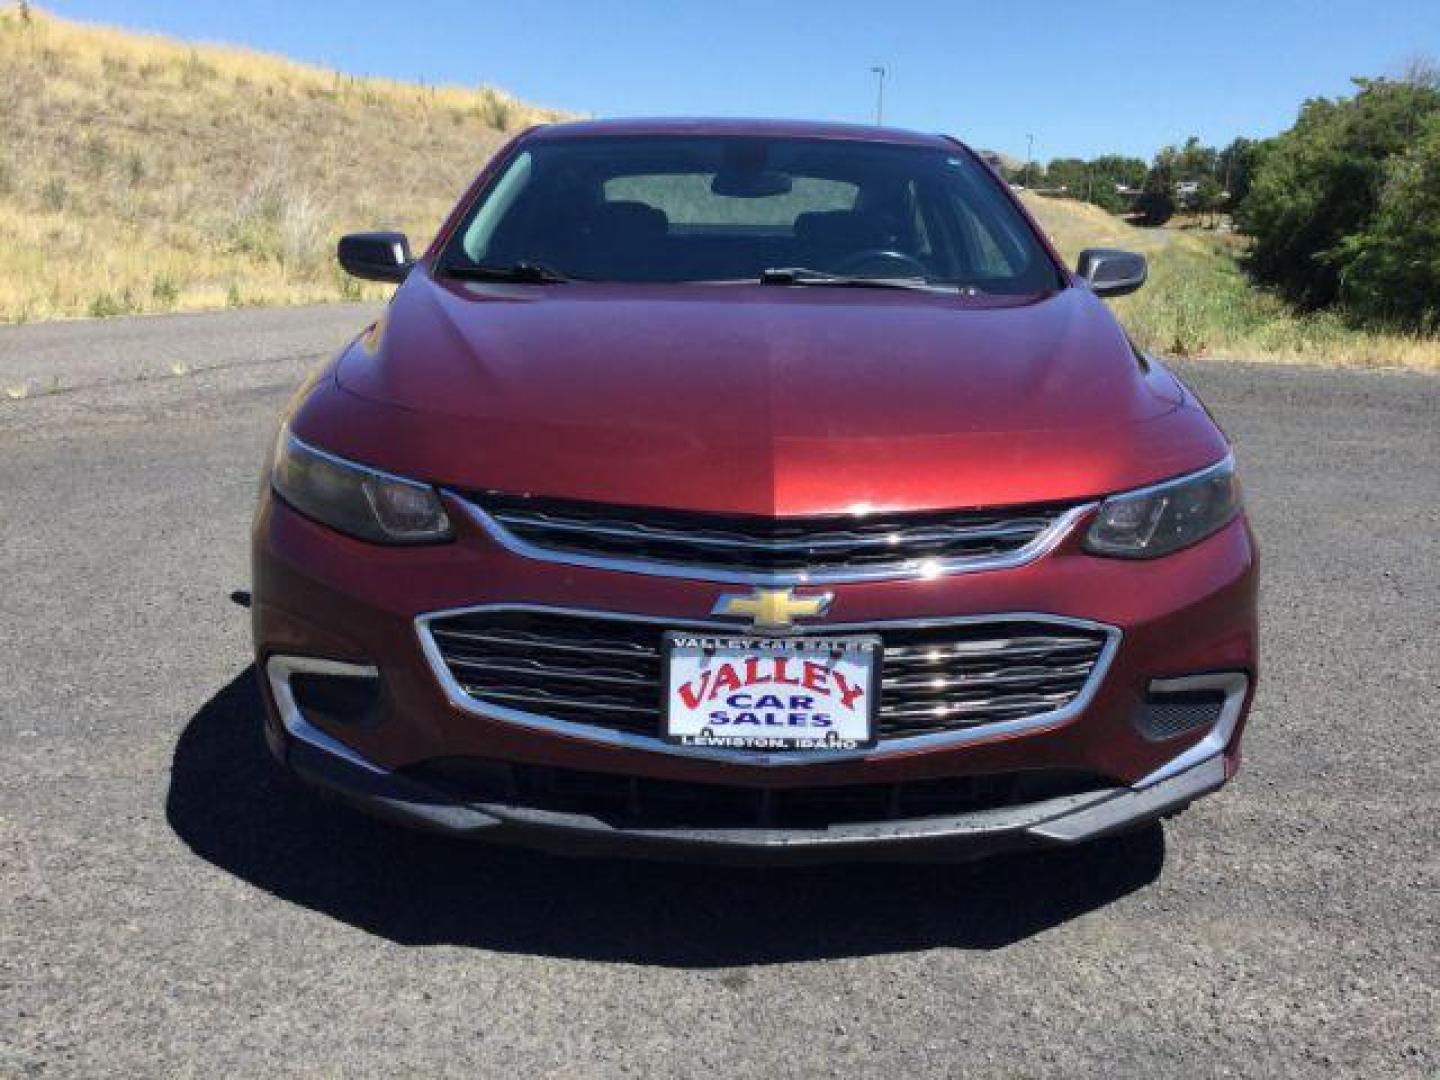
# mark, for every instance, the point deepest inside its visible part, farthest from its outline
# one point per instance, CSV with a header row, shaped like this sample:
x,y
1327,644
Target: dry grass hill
x,y
144,174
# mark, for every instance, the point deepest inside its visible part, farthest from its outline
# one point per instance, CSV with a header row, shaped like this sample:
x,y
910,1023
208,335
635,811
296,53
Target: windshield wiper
x,y
527,273
799,275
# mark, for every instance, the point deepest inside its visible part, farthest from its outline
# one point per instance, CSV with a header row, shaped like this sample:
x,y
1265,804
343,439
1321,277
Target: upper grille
x,y
606,672
810,547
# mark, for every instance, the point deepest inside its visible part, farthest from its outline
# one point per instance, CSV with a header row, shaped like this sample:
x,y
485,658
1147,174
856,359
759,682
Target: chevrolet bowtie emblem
x,y
773,609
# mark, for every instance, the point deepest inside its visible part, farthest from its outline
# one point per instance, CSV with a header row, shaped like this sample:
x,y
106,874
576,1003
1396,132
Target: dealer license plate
x,y
770,693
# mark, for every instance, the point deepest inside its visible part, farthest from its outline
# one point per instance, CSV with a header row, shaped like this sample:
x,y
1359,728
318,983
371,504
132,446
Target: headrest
x,y
839,228
635,219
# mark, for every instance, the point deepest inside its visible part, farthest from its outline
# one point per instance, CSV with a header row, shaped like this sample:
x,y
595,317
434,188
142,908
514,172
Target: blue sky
x,y
1083,78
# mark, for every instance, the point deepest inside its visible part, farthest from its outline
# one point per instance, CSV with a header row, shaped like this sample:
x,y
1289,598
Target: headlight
x,y
1157,520
354,499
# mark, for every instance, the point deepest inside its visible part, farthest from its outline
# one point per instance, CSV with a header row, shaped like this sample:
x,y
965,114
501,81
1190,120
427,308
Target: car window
x,y
686,208
917,221
493,209
989,257
688,199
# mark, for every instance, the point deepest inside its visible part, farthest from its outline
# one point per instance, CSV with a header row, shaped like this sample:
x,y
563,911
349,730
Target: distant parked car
x,y
752,491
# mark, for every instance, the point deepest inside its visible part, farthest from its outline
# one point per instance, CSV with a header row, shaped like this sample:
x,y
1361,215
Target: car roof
x,y
700,126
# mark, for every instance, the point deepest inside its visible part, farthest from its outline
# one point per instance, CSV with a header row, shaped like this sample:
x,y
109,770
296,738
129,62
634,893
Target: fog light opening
x,y
341,699
306,687
1191,702
1165,716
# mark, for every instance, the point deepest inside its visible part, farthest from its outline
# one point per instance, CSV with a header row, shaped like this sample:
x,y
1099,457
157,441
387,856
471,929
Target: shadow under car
x,y
237,809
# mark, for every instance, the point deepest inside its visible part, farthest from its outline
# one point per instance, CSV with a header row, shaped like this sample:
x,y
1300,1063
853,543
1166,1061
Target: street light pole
x,y
1029,156
879,95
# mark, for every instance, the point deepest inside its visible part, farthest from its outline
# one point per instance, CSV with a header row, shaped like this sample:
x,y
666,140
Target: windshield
x,y
676,209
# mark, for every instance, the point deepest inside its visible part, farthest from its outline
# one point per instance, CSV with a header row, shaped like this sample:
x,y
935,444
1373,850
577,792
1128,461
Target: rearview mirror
x,y
751,184
1111,272
376,256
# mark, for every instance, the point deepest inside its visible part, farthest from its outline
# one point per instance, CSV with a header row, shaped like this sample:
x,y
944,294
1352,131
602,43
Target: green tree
x,y
1110,171
1129,171
1235,167
1193,162
1209,199
1156,204
1391,271
1318,187
1071,174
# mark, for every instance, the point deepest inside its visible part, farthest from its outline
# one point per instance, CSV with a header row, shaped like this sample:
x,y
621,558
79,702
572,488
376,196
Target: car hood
x,y
757,399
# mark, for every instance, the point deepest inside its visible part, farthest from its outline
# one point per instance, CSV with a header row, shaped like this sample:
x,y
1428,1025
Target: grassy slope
x,y
142,174
1198,303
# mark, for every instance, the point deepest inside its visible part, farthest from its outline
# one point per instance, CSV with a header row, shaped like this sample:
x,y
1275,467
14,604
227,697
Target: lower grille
x,y
640,802
1168,716
606,672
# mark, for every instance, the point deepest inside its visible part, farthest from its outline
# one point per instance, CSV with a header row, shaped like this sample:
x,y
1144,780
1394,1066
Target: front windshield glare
x,y
677,209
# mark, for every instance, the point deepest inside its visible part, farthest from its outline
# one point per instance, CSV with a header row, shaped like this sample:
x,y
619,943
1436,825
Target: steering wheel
x,y
861,261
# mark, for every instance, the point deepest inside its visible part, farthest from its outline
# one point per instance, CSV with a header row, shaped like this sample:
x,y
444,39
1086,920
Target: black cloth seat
x,y
825,238
619,239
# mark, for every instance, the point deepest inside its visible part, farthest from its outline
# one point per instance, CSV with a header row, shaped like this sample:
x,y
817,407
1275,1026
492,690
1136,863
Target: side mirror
x,y
376,256
1111,272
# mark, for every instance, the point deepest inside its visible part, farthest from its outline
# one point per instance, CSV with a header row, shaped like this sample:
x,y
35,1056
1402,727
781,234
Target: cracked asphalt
x,y
169,905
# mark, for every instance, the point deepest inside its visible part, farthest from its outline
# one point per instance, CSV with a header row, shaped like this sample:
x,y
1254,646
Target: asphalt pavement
x,y
169,905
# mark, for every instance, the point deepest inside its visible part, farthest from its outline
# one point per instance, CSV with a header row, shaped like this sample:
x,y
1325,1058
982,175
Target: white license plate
x,y
770,693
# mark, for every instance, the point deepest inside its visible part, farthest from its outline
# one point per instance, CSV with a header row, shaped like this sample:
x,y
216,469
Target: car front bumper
x,y
325,762
324,599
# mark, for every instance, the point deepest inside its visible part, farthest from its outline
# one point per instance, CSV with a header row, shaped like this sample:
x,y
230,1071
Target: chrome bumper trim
x,y
278,670
1234,685
458,698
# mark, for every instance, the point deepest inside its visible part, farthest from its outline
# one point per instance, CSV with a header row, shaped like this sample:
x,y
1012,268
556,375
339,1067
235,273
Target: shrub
x,y
496,110
97,155
302,231
195,72
279,220
164,292
1154,208
1390,272
106,306
134,167
348,287
54,195
1318,188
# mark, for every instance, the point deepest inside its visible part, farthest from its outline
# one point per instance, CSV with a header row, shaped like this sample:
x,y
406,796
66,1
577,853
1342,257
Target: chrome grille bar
x,y
1027,678
820,540
588,647
549,671
775,550
555,701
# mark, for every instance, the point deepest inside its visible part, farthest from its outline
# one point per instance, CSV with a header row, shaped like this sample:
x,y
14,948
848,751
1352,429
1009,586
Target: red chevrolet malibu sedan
x,y
752,491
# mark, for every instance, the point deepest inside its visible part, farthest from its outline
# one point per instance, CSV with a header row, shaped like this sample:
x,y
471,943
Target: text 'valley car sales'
x,y
785,694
